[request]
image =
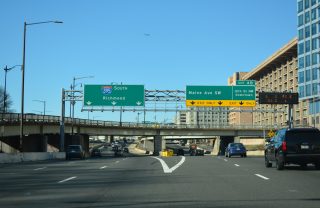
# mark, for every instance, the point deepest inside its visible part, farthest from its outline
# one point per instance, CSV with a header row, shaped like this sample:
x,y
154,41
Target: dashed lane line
x,y
225,160
68,179
40,168
103,167
236,165
261,176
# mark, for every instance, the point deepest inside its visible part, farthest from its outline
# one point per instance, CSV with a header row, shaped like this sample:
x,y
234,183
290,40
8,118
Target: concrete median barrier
x,y
30,156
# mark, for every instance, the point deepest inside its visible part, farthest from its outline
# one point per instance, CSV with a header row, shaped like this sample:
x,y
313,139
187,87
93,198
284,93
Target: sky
x,y
161,44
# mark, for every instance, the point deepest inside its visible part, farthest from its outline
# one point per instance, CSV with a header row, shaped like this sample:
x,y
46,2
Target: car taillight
x,y
284,146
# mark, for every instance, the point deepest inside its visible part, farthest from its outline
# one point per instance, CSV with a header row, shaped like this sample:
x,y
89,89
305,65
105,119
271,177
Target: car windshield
x,y
75,147
303,136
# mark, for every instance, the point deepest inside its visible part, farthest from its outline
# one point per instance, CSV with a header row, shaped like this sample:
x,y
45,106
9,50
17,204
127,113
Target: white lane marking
x,y
103,167
263,177
225,160
68,179
40,168
237,165
117,162
165,167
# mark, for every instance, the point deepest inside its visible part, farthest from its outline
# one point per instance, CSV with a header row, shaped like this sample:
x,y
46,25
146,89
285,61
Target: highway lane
x,y
141,182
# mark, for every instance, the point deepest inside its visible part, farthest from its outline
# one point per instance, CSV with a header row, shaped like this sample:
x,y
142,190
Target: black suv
x,y
293,146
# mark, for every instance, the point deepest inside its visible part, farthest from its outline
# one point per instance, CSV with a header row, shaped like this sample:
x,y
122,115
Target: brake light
x,y
284,146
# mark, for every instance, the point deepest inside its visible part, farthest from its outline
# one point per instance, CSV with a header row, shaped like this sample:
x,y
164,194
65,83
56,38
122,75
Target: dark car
x,y
75,151
236,149
96,152
293,146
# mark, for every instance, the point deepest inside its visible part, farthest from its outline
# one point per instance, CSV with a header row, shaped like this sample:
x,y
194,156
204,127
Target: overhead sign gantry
x,y
221,96
113,95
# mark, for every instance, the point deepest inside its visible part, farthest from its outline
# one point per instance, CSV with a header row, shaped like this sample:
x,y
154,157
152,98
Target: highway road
x,y
146,181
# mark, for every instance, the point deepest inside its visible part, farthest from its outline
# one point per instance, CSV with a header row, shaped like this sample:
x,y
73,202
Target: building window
x,y
308,75
314,88
301,48
313,2
301,64
308,61
314,58
307,17
308,90
301,77
314,44
307,46
301,91
307,31
306,4
300,6
313,14
300,19
314,73
314,29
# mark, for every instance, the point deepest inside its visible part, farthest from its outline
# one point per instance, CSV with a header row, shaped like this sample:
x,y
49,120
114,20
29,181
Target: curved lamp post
x,y
23,72
6,70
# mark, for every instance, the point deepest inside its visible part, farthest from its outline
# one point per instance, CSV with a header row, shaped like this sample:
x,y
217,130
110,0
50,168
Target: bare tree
x,y
8,101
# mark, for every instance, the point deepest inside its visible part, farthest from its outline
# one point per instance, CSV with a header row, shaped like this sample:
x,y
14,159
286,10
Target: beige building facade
x,y
237,118
279,73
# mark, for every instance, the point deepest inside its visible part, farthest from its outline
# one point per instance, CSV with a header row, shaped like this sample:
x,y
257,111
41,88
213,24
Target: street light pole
x,y
44,105
6,69
23,74
73,102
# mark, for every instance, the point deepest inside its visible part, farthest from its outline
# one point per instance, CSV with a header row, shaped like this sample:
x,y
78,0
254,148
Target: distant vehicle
x,y
118,150
293,146
75,151
194,151
96,152
236,149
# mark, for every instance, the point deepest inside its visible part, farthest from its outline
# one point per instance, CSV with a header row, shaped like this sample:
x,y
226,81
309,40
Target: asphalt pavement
x,y
146,181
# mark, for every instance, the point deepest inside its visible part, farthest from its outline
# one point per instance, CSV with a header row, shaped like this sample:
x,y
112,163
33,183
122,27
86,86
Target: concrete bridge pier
x,y
157,144
221,143
81,139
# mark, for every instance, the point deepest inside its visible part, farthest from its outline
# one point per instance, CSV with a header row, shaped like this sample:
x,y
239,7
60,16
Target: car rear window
x,y
74,147
303,136
236,145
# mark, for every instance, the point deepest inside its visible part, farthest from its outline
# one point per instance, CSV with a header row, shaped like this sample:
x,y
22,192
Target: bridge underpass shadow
x,y
224,141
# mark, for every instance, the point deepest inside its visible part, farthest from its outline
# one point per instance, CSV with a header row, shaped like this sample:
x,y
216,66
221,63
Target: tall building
x,y
235,117
279,73
207,116
308,54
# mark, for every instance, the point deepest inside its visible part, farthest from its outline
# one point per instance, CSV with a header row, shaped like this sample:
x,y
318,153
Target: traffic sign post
x,y
220,96
113,95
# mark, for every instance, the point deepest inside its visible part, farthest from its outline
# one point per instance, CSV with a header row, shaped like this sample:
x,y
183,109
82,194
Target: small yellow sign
x,y
220,103
271,133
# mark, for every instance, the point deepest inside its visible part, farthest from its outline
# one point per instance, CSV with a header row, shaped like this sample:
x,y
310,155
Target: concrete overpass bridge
x,y
42,130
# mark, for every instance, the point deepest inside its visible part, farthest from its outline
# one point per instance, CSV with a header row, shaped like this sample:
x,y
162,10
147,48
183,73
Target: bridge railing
x,y
14,118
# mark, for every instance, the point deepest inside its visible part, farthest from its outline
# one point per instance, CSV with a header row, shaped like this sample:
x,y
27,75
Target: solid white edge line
x,y
237,165
261,176
68,179
165,167
40,168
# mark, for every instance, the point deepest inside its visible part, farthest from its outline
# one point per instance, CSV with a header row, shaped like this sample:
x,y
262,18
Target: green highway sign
x,y
246,82
113,95
211,96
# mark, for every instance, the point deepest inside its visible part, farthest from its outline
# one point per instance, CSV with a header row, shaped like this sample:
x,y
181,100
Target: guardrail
x,y
14,118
